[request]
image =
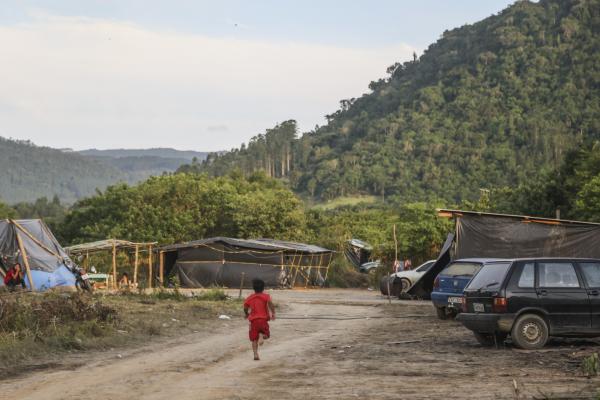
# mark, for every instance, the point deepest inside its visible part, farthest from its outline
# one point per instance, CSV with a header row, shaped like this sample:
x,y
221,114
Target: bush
x,y
213,295
343,275
591,365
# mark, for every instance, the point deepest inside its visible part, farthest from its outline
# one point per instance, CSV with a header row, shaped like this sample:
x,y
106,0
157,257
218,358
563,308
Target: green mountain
x,y
488,105
31,172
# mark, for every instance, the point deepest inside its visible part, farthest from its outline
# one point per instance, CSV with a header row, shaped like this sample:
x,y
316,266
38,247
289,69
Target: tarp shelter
x,y
113,246
358,252
222,261
483,235
31,243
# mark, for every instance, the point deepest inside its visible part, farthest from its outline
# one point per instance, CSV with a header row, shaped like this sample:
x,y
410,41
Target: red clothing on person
x,y
258,305
11,275
258,326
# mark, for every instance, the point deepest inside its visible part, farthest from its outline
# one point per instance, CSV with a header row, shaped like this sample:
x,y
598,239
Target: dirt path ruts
x,y
207,366
401,352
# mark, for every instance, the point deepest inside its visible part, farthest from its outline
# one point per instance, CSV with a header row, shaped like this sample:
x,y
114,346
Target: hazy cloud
x,y
82,82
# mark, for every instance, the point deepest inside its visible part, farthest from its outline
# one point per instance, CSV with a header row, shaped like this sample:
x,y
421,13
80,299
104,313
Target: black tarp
x,y
222,261
480,235
501,237
423,287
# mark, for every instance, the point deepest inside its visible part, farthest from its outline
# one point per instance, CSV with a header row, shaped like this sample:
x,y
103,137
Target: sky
x,y
200,75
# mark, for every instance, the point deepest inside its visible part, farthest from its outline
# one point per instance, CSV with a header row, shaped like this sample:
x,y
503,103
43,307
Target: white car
x,y
408,278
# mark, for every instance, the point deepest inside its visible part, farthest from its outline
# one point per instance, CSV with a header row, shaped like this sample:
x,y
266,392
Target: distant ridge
x,y
163,152
30,171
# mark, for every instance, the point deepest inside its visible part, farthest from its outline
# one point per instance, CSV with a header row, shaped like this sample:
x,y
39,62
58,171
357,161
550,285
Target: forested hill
x,y
30,172
487,105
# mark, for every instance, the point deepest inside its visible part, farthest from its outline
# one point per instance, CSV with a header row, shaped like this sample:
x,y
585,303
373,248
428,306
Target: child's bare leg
x,y
255,349
261,339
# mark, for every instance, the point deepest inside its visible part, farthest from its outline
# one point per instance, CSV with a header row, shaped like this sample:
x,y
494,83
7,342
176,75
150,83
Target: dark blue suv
x,y
448,287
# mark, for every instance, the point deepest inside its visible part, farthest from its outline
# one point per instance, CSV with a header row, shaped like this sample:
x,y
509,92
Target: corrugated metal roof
x,y
258,244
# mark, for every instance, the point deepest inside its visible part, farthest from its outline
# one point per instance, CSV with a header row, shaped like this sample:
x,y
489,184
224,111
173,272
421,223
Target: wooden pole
x,y
114,264
241,285
161,266
25,261
150,266
395,245
135,265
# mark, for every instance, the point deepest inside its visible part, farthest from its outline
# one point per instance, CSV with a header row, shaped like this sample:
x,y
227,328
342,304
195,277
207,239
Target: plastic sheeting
x,y
45,255
221,261
206,274
424,286
501,237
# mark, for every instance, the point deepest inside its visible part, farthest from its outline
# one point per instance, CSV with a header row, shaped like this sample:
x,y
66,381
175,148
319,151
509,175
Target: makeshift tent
x,y
113,246
222,261
30,243
488,235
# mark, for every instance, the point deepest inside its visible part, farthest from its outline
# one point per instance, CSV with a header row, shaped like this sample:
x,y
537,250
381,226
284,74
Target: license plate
x,y
458,300
84,276
478,307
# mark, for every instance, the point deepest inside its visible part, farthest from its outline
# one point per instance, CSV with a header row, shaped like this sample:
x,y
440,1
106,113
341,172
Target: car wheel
x,y
490,339
405,285
530,331
441,312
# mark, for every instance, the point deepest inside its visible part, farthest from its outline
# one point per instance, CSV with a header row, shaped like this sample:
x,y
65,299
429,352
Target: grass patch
x,y
346,201
213,295
591,365
38,329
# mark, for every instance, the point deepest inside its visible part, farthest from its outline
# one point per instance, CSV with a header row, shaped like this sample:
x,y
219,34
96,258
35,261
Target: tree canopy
x,y
486,106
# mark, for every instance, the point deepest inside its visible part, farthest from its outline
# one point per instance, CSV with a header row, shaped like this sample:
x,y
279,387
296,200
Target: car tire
x,y
405,285
490,339
441,312
530,332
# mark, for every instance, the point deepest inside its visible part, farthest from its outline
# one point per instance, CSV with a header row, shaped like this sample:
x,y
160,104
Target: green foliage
x,y
418,229
573,188
591,365
31,172
343,275
489,105
7,211
270,152
183,207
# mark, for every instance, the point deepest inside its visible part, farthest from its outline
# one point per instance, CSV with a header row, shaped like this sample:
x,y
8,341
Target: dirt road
x,y
328,344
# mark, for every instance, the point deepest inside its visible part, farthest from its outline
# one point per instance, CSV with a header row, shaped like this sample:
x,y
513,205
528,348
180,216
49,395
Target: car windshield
x,y
489,277
426,266
461,269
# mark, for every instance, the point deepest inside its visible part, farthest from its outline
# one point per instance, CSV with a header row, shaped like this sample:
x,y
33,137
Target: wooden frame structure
x,y
113,246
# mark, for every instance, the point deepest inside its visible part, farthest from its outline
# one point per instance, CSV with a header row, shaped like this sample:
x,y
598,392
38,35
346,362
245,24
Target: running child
x,y
259,309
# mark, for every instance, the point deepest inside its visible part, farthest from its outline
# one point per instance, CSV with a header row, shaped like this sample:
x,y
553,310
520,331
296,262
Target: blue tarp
x,y
45,255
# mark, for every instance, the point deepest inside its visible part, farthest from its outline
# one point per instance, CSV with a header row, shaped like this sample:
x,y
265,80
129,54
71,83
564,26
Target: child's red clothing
x,y
258,303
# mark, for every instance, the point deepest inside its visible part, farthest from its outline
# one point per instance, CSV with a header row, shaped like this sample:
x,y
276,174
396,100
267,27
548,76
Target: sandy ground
x,y
328,344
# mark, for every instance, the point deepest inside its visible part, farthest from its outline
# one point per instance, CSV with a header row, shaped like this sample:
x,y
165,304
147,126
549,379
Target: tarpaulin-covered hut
x,y
223,261
489,235
31,243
